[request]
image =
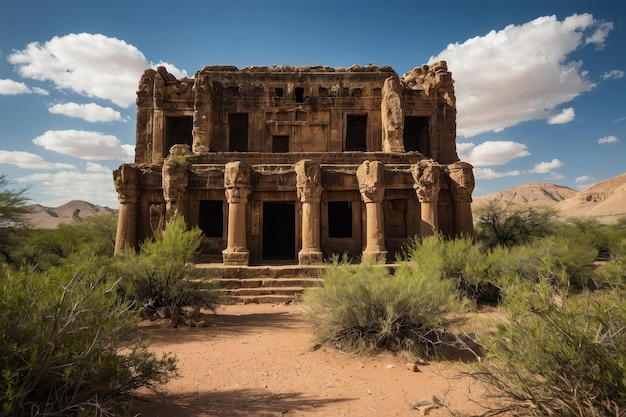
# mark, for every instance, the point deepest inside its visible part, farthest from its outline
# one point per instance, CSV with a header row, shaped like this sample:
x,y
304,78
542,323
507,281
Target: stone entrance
x,y
279,231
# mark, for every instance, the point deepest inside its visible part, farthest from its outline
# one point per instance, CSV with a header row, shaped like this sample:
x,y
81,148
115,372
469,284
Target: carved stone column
x,y
308,175
175,178
237,184
462,184
392,115
371,186
125,181
202,109
426,174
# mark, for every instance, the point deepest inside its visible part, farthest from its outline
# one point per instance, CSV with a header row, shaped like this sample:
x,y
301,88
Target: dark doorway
x,y
299,94
211,220
178,130
238,132
339,219
356,132
416,134
279,230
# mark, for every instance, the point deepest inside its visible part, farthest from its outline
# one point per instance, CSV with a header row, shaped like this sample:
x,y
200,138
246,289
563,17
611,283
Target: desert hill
x,y
50,217
604,200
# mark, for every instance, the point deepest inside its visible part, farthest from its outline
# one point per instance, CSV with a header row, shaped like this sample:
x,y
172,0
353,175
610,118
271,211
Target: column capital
x,y
462,181
370,175
426,175
174,179
125,182
308,176
237,195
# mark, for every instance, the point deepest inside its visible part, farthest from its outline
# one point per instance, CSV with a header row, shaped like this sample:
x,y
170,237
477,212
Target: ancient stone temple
x,y
294,164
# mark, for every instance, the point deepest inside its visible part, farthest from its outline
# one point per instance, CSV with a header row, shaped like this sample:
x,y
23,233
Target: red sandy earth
x,y
258,360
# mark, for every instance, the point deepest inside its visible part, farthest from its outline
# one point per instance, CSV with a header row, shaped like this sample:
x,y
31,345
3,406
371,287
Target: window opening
x,y
299,94
280,144
356,132
278,92
178,130
238,127
415,136
212,218
339,219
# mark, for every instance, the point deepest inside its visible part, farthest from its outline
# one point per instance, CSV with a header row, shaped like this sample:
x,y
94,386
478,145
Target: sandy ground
x,y
259,360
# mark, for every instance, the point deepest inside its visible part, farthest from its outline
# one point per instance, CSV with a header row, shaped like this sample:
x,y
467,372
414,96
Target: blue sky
x,y
540,85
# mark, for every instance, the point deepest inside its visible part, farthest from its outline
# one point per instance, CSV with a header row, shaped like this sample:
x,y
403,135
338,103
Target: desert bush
x,y
156,276
66,347
557,353
368,308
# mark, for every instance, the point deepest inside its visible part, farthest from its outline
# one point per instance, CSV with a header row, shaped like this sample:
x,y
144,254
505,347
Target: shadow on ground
x,y
235,403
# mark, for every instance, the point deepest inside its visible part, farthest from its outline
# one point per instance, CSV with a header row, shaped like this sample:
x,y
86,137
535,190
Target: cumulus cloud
x,y
84,144
546,167
608,139
521,72
27,160
90,112
12,88
491,153
93,167
566,116
61,187
93,65
490,174
583,178
613,75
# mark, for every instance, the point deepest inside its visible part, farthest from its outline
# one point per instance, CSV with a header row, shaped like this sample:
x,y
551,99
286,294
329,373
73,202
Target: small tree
x,y
12,207
157,276
507,224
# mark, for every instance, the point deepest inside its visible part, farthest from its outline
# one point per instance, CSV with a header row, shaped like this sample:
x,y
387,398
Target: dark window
x,y
323,92
356,132
212,218
232,91
415,135
278,92
178,130
339,219
299,95
238,127
280,144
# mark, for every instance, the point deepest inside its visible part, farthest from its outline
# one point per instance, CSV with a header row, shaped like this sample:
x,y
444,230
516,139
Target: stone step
x,y
257,271
261,299
235,283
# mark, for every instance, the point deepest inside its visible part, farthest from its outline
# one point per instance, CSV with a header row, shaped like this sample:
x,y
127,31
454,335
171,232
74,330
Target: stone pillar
x,y
175,179
426,174
371,185
125,181
202,109
308,175
392,115
462,185
237,185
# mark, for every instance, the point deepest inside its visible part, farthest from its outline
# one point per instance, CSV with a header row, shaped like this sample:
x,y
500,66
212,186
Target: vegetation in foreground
x,y
560,348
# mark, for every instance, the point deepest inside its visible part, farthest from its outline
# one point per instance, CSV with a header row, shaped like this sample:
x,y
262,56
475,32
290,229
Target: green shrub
x,y
66,347
368,308
558,354
156,277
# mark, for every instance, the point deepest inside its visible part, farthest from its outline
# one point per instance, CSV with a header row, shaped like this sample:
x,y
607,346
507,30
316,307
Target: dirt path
x,y
257,360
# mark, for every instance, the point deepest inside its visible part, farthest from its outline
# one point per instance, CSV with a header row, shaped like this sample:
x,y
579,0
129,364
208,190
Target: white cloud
x,y
566,116
546,167
84,144
583,178
492,152
61,187
490,174
613,75
93,167
27,160
12,88
521,72
608,139
90,112
93,65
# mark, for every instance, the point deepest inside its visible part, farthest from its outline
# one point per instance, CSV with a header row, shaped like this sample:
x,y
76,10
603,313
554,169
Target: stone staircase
x,y
259,283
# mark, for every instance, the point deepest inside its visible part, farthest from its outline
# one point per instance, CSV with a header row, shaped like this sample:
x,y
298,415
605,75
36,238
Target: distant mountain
x,y
41,217
604,200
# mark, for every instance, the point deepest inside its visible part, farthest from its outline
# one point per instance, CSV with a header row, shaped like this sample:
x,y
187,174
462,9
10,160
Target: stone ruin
x,y
289,164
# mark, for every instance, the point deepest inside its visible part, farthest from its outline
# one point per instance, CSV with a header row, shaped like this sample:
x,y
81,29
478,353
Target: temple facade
x,y
292,164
